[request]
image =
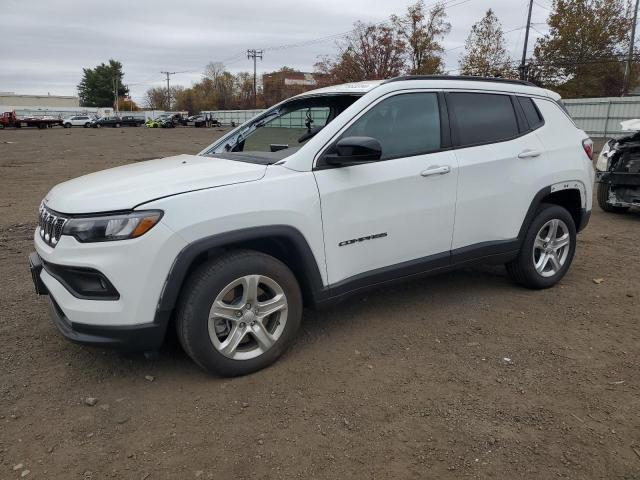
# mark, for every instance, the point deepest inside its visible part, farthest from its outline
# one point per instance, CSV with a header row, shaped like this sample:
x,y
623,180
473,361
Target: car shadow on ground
x,y
348,317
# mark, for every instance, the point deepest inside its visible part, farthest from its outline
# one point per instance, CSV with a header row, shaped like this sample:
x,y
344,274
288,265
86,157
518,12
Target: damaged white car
x,y
618,170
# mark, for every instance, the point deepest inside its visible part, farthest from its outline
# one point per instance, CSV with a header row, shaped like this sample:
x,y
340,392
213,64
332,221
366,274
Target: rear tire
x,y
543,259
603,200
67,125
238,312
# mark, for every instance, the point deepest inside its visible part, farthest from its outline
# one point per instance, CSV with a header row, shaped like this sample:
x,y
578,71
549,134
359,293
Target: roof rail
x,y
458,77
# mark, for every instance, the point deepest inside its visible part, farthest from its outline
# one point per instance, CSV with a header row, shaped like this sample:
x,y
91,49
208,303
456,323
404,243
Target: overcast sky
x,y
46,43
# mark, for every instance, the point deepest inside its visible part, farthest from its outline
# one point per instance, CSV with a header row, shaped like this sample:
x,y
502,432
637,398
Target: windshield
x,y
283,129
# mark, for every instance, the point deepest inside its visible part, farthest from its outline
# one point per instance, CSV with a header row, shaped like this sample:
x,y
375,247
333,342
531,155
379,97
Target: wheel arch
x,y
283,242
570,195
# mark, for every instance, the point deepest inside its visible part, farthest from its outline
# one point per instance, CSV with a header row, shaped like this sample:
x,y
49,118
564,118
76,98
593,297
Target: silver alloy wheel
x,y
248,317
551,247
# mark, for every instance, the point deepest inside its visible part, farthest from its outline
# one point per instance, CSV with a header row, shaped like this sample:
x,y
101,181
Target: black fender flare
x,y
535,203
183,261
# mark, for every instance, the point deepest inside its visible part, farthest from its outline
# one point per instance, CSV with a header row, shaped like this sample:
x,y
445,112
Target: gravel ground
x,y
463,375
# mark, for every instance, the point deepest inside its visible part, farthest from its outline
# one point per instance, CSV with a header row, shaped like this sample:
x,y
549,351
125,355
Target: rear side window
x,y
405,125
483,117
531,112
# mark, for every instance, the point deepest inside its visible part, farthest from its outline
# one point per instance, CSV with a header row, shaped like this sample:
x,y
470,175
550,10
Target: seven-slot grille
x,y
50,226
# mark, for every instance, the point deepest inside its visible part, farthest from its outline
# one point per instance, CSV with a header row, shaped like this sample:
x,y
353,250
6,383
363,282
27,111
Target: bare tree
x,y
422,31
485,50
369,52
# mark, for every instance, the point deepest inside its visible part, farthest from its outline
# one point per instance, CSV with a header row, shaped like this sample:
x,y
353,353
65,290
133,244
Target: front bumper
x,y
141,337
123,337
618,178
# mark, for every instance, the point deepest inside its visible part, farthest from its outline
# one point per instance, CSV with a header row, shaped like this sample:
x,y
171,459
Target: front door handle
x,y
529,154
436,170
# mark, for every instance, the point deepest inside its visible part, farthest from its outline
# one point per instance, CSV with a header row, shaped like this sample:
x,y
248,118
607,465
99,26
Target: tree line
x,y
582,55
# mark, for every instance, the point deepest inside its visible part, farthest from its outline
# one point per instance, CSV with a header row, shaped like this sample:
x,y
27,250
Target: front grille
x,y
50,225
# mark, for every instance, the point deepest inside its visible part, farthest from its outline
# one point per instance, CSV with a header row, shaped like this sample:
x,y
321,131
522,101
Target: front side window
x,y
281,130
287,130
405,125
483,117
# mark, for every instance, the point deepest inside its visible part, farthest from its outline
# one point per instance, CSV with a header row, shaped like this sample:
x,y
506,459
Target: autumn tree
x,y
581,55
96,89
422,31
369,52
156,97
126,104
485,50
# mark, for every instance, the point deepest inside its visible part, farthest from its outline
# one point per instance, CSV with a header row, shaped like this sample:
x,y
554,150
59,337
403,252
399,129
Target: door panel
x,y
397,209
495,189
412,214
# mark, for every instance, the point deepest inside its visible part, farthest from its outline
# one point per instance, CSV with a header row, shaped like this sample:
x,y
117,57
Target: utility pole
x,y
115,93
632,41
168,91
254,54
523,64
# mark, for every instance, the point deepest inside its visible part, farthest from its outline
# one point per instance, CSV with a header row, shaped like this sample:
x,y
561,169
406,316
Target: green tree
x,y
422,30
581,55
485,50
96,89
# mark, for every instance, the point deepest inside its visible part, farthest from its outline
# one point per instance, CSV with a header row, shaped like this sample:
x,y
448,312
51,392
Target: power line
x,y
447,4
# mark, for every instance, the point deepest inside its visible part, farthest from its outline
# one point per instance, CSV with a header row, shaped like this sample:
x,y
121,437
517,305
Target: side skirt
x,y
486,252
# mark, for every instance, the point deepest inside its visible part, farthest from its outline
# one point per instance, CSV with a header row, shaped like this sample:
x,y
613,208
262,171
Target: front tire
x,y
603,200
239,312
547,250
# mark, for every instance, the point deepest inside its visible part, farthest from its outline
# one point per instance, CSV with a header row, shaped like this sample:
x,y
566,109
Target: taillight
x,y
587,144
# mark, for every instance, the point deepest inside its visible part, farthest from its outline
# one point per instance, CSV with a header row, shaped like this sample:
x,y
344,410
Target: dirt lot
x,y
407,382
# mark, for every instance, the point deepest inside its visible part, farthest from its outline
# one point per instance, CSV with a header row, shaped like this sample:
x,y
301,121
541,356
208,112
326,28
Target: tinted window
x,y
483,117
531,112
405,125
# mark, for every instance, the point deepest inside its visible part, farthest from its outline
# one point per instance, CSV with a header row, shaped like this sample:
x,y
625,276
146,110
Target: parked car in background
x,y
116,122
195,121
618,170
131,121
77,121
227,246
169,120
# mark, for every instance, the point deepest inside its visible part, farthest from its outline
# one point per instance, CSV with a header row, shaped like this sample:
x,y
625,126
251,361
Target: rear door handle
x,y
529,154
436,170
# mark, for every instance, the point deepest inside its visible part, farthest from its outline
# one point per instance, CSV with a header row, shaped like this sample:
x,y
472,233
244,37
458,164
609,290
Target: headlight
x,y
112,227
602,164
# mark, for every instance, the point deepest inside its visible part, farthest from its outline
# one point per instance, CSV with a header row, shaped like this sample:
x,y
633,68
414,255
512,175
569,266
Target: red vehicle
x,y
10,119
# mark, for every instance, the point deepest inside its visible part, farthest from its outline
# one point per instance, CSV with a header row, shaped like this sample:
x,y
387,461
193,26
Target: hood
x,y
125,187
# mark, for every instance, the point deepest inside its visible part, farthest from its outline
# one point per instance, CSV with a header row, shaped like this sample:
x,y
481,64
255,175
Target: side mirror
x,y
355,150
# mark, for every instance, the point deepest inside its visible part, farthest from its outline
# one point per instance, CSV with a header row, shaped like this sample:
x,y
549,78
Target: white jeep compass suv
x,y
317,198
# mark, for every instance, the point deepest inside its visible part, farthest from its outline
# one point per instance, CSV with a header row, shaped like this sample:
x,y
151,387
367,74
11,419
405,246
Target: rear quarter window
x,y
482,117
533,116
